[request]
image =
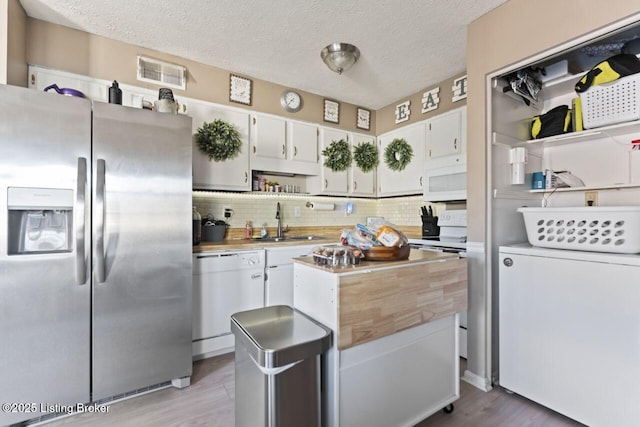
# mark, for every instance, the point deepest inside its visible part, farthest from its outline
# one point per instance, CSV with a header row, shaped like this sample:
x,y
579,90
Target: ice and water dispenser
x,y
40,220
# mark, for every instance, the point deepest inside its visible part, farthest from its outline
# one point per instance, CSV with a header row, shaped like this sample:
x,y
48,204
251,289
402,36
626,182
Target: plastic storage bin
x,y
277,365
614,229
611,103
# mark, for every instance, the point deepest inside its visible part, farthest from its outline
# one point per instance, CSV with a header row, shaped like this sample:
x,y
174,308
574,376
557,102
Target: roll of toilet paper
x,y
320,206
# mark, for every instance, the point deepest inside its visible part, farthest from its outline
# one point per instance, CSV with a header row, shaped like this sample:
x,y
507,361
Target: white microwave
x,y
445,184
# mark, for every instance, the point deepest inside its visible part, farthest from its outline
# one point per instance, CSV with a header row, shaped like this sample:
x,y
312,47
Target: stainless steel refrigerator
x,y
95,249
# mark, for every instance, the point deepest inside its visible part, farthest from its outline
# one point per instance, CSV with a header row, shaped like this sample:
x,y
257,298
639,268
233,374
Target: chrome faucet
x,y
280,232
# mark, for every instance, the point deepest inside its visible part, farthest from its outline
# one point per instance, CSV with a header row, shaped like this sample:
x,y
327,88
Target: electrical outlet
x,y
296,212
591,198
226,212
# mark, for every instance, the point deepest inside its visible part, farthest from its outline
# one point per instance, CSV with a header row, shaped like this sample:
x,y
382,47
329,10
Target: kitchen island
x,y
394,356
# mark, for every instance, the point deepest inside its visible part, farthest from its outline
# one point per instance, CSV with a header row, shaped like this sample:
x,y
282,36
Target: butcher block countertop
x,y
415,257
379,298
243,244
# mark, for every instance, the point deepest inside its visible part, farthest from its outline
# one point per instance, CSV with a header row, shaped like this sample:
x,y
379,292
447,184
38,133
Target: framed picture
x,y
240,89
363,119
331,111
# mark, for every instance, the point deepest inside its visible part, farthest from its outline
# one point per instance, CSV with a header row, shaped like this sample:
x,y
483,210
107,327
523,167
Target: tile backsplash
x,y
261,208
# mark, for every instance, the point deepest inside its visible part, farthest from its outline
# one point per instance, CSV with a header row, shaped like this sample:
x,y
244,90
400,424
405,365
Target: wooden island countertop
x,y
415,257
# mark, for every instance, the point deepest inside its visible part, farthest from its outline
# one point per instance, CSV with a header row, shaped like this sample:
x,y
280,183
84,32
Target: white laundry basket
x,y
613,229
611,103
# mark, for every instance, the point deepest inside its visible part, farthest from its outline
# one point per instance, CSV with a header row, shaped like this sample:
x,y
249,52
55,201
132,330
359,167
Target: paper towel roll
x,y
321,206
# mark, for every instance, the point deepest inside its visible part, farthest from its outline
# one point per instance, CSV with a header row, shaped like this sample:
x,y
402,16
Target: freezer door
x,y
141,249
44,292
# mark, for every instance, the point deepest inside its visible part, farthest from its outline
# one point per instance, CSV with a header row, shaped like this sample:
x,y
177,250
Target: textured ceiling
x,y
405,45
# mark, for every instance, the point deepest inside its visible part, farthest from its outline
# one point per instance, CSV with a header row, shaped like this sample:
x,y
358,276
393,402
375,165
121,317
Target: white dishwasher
x,y
224,283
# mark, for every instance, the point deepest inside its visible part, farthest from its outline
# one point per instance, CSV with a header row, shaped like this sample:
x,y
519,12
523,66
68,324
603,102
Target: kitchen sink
x,y
289,238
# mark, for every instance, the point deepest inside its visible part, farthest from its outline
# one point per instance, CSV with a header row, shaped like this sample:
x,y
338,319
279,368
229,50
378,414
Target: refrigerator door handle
x,y
81,265
100,257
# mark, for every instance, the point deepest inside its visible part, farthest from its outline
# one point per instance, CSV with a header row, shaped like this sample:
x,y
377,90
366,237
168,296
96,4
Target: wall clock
x,y
363,119
291,101
240,89
331,111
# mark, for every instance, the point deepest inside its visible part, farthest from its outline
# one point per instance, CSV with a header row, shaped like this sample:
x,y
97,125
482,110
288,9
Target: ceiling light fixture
x,y
340,57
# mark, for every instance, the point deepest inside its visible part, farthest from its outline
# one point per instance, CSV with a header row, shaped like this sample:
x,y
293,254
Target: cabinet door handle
x,y
295,151
355,185
283,149
326,184
256,275
420,181
246,176
254,120
455,143
254,149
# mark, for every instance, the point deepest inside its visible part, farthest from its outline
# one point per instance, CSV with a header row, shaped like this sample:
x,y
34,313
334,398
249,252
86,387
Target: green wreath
x,y
337,156
398,154
365,155
219,140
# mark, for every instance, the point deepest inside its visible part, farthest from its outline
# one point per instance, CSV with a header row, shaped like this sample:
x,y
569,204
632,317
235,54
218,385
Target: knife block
x,y
430,226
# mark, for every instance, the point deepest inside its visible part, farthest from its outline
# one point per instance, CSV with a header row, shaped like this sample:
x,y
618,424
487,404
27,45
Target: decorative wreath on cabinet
x,y
365,155
337,156
398,154
219,140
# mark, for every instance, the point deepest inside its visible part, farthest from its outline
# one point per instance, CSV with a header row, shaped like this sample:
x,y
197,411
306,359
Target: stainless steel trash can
x,y
277,364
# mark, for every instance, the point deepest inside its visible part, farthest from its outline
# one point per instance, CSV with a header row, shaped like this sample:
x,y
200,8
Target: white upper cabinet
x,y
446,138
232,174
351,182
409,180
285,146
329,182
269,137
332,182
302,140
361,183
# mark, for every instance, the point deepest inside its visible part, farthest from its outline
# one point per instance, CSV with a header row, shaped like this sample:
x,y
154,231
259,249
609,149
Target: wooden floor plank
x,y
209,402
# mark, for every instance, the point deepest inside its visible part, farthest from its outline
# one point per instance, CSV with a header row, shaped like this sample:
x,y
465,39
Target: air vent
x,y
162,73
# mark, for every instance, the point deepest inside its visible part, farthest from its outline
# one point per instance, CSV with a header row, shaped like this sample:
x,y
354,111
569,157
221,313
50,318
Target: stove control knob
x,y
508,262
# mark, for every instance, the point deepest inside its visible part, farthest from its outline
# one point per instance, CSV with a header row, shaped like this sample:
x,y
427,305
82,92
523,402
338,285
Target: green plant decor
x,y
219,140
398,154
365,155
337,156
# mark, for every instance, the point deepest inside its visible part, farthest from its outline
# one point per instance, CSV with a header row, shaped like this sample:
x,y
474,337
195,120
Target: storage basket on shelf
x,y
613,229
611,103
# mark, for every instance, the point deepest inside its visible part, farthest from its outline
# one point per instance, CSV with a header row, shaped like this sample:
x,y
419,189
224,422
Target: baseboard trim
x,y
477,381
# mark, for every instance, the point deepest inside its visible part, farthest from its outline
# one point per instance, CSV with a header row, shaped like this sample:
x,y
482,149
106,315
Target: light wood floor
x,y
209,402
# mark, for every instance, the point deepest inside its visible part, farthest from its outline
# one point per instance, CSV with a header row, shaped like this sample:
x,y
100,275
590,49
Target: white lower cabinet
x,y
414,377
279,273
